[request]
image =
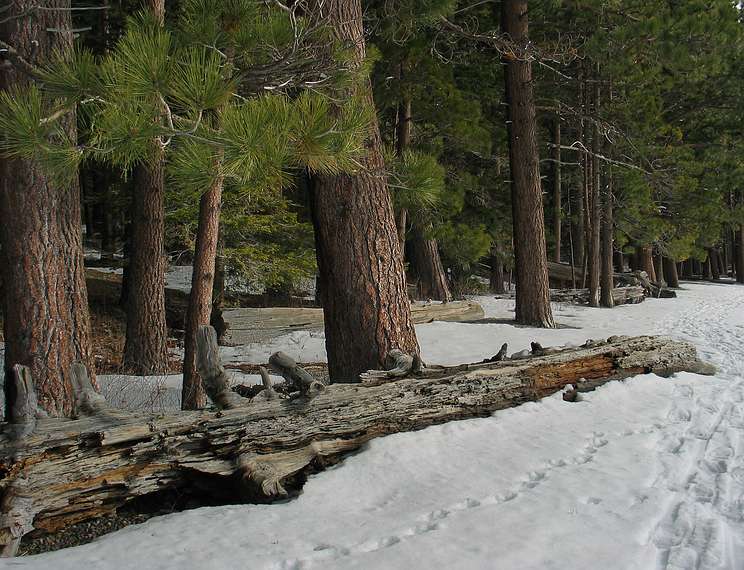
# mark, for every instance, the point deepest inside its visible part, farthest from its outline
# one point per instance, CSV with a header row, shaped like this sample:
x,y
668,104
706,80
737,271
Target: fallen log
x,y
252,325
68,470
630,295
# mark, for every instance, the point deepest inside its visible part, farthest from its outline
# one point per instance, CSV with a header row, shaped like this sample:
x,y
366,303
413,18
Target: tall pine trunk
x,y
46,320
594,204
557,188
402,142
365,301
533,293
608,229
145,348
645,261
740,254
425,261
497,270
199,311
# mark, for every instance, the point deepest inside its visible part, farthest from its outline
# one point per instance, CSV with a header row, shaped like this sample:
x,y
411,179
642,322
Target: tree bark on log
x,y
530,257
360,264
46,320
74,470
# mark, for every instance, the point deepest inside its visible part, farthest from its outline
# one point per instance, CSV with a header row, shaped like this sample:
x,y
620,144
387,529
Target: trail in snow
x,y
645,474
702,452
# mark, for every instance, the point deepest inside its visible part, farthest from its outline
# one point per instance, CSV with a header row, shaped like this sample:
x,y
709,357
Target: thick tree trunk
x,y
71,471
201,296
46,321
670,272
427,267
608,230
145,348
497,270
619,260
557,189
365,300
530,257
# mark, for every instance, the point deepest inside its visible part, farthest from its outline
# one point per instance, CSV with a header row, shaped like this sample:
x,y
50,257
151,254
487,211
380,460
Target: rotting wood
x,y
87,467
209,366
621,295
250,325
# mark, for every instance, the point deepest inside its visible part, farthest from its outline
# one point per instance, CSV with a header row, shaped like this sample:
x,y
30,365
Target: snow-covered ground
x,y
643,474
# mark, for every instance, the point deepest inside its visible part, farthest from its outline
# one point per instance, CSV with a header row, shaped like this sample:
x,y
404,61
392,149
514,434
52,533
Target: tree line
x,y
385,146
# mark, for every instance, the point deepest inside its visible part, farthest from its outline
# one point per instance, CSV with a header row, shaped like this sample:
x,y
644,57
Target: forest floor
x,y
643,474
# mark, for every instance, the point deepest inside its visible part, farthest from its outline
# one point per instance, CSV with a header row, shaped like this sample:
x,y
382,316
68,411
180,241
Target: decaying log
x,y
87,467
25,409
629,295
214,379
296,376
251,325
88,402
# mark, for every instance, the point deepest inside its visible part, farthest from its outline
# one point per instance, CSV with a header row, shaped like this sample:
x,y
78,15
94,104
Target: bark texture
x,y
533,294
46,321
360,264
145,348
202,286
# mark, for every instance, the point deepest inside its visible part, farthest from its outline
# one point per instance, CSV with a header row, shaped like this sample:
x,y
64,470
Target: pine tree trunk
x,y
715,270
594,195
557,189
670,272
402,142
145,349
533,293
497,270
365,301
427,267
46,321
200,298
607,281
619,262
740,254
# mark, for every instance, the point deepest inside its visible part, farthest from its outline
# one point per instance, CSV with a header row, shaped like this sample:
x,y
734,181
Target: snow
x,y
643,474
